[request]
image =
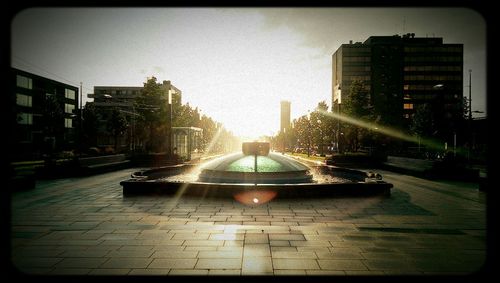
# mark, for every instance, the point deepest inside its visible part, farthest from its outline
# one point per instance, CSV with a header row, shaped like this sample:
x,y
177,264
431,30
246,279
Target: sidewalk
x,y
85,226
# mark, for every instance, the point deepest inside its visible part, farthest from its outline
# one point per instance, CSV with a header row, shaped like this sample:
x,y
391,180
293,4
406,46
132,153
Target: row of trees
x,y
320,130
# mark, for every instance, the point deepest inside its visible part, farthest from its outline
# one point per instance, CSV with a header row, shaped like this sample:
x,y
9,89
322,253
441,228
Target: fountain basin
x,y
180,180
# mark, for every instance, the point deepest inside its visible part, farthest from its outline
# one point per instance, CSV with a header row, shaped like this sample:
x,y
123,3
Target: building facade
x,y
122,98
44,115
285,122
401,72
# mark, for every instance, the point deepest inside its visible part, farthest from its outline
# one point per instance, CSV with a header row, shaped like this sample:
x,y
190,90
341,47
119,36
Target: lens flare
x,y
255,197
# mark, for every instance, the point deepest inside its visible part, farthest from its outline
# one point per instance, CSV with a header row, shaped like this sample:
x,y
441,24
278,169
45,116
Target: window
x,y
25,118
406,87
68,108
69,93
408,106
23,100
24,82
68,123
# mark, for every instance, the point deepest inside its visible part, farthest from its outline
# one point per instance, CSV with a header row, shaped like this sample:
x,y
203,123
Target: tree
x,y
357,105
322,126
423,121
302,131
151,105
117,125
90,125
53,122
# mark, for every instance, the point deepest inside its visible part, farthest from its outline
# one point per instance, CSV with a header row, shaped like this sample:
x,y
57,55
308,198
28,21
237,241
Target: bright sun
x,y
249,123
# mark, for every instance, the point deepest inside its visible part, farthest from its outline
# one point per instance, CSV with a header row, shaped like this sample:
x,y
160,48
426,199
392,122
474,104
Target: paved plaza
x,y
85,226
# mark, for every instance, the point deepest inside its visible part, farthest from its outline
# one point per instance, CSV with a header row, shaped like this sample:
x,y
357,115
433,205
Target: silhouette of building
x,y
44,115
399,73
122,98
285,116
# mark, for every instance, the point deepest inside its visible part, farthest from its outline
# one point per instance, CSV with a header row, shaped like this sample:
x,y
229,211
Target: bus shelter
x,y
187,142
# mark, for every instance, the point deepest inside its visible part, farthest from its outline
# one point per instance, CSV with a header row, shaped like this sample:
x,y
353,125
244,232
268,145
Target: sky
x,y
234,64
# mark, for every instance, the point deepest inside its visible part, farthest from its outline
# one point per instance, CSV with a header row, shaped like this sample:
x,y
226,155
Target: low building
x,y
122,98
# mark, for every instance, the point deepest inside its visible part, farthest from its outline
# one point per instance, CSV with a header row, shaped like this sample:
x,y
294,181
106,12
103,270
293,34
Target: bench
x,y
103,162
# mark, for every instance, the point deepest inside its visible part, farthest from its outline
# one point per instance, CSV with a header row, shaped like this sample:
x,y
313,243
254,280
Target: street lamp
x,y
339,134
309,136
320,137
284,140
170,136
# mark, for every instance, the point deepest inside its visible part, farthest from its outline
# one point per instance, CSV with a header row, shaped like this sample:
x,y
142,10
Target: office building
x,y
44,115
285,116
398,74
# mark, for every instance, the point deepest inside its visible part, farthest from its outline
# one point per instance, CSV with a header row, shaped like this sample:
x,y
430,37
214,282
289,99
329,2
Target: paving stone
x,y
220,254
126,262
225,263
286,237
85,253
36,262
182,272
257,266
339,255
256,250
89,262
174,254
281,263
289,272
341,264
256,238
172,263
285,254
70,271
223,272
149,271
205,248
203,243
110,271
325,272
223,236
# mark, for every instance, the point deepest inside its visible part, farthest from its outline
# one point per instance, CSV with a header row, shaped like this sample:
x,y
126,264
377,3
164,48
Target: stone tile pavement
x,y
84,226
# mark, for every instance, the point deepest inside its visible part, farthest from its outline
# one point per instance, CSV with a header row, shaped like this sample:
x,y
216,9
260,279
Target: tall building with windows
x,y
285,116
401,72
43,115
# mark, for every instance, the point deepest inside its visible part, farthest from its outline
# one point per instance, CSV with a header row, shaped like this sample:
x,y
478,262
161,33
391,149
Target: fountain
x,y
256,175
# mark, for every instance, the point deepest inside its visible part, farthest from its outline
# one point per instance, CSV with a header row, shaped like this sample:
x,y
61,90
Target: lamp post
x,y
80,119
339,134
320,138
284,140
170,135
470,116
309,136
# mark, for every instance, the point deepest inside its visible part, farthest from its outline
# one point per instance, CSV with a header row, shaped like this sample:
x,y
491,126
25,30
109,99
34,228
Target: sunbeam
x,y
430,143
180,192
